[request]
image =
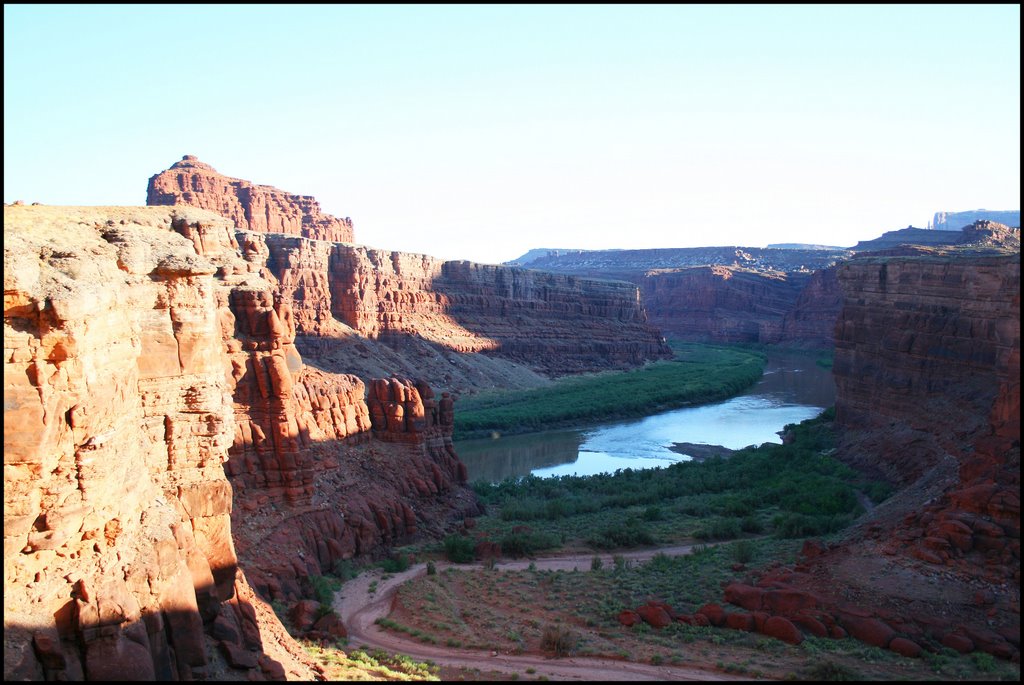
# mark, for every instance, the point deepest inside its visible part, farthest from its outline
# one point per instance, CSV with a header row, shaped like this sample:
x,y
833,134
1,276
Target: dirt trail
x,y
359,610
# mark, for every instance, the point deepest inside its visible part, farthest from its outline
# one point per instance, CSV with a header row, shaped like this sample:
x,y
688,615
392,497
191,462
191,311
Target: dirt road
x,y
359,609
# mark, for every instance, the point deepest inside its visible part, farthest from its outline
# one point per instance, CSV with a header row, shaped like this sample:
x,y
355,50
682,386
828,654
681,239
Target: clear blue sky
x,y
479,132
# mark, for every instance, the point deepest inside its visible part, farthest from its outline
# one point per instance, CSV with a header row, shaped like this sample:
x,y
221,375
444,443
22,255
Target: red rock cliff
x,y
259,208
162,433
723,294
927,370
425,307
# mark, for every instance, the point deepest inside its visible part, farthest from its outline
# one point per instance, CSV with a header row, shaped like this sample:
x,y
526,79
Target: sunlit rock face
x,y
162,433
259,208
550,323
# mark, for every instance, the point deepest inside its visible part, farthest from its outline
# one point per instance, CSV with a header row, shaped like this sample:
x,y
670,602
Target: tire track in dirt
x,y
359,610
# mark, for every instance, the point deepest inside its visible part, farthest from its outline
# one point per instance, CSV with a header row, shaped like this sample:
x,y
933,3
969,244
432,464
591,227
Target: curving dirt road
x,y
359,610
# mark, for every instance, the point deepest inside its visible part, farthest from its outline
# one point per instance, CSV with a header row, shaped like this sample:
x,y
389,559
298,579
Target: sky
x,y
480,132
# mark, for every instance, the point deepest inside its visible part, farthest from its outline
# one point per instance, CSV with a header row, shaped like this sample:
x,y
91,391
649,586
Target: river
x,y
792,389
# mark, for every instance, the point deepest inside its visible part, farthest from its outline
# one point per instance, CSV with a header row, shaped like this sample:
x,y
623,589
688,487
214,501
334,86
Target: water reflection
x,y
517,455
793,388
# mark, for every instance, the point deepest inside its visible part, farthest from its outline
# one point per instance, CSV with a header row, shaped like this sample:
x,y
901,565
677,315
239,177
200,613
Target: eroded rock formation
x,y
162,433
425,308
927,370
722,294
259,208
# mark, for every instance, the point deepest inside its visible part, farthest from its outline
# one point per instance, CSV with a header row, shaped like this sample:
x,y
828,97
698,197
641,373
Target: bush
x,y
653,513
324,589
632,534
718,529
743,551
523,544
344,570
559,639
459,549
395,564
431,568
596,564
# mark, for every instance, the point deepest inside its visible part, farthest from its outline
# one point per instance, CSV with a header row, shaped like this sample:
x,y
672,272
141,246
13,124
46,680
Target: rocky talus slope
x,y
162,433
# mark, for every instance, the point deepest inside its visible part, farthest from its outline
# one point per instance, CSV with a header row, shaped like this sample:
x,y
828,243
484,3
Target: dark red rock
x,y
810,624
959,642
788,602
739,621
905,647
870,630
629,618
714,612
745,596
782,629
654,616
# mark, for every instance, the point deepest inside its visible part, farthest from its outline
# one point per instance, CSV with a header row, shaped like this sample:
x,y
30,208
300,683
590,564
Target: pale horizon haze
x,y
480,132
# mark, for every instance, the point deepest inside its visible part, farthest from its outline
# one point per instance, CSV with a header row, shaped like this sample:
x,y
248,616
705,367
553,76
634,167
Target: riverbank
x,y
699,374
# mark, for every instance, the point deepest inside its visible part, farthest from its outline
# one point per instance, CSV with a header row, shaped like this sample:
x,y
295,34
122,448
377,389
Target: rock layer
x,y
722,294
259,208
154,403
927,371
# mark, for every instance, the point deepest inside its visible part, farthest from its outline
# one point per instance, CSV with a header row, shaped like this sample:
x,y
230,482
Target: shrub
x,y
523,544
559,639
395,564
718,529
632,534
431,568
653,513
596,563
743,551
324,589
344,569
459,549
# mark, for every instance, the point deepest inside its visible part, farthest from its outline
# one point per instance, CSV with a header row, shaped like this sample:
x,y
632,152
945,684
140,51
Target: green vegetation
x,y
698,374
459,549
559,639
788,491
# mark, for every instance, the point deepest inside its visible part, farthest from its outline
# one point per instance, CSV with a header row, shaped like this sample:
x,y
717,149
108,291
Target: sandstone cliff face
x,y
927,370
154,403
722,294
721,304
444,316
259,208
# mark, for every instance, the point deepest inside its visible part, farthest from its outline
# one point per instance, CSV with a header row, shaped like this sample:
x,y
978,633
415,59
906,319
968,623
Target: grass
x,y
376,665
698,374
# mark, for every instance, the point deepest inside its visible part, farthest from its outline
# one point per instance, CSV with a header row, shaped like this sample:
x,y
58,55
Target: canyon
x,y
927,371
174,462
213,400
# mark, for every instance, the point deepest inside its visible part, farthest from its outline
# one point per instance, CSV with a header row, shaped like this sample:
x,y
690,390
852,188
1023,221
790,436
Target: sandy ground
x,y
359,609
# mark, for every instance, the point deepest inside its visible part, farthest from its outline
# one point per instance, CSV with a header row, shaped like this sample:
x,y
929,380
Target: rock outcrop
x,y
259,208
927,370
426,309
981,231
726,304
954,221
721,294
162,433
